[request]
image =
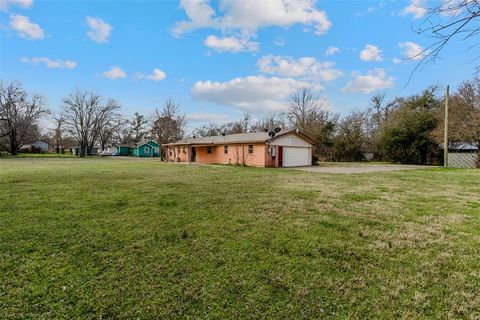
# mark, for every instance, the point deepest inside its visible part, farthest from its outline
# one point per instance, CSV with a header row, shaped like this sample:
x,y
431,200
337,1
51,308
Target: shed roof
x,y
39,143
141,143
237,138
464,146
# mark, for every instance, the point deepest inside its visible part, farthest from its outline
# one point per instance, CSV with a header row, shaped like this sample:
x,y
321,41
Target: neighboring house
x,y
108,148
288,148
76,150
122,150
462,155
147,148
36,147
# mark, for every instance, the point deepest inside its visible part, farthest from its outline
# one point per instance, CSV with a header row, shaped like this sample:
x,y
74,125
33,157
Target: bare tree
x,y
86,117
246,122
59,121
303,107
121,131
270,121
464,116
168,124
19,115
449,20
105,136
79,109
105,117
306,113
208,130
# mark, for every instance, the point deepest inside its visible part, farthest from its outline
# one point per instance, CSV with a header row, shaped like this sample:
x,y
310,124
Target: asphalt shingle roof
x,y
230,138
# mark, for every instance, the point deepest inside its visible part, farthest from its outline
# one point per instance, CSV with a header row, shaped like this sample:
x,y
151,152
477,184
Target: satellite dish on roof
x,y
277,130
272,134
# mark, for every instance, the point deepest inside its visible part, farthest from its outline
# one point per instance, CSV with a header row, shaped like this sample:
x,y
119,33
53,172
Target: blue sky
x,y
220,59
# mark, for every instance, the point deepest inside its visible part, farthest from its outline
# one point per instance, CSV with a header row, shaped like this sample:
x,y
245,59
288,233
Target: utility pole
x,y
445,137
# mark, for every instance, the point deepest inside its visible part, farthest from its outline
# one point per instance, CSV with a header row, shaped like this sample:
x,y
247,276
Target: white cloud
x,y
371,53
25,28
207,116
285,66
231,44
99,30
252,93
5,5
416,8
371,9
397,60
412,50
49,63
157,75
374,80
332,51
251,15
199,12
114,73
305,68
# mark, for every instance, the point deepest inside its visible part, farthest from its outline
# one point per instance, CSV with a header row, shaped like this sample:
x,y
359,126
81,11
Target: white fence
x,y
462,160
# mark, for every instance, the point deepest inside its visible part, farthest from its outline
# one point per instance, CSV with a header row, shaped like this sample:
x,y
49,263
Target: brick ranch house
x,y
288,148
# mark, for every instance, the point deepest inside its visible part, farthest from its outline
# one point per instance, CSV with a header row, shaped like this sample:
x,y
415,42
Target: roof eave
x,y
199,144
297,132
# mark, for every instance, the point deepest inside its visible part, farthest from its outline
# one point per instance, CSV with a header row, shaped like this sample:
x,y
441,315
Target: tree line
x,y
85,119
403,130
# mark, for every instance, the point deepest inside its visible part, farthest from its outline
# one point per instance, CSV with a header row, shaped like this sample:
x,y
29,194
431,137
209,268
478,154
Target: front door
x,y
193,154
280,156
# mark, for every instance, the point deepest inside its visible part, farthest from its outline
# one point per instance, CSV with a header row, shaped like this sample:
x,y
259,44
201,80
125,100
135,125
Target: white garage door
x,y
294,156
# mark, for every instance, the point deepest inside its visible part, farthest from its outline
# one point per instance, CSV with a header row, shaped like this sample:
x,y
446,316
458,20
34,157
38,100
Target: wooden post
x,y
445,137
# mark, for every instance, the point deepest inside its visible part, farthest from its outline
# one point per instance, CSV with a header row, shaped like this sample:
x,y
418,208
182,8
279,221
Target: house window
x,y
170,153
209,149
146,150
250,148
225,149
184,150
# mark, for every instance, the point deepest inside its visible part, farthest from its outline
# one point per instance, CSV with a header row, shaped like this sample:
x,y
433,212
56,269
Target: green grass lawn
x,y
111,238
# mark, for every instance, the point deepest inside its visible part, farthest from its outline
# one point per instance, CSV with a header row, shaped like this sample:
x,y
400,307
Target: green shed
x,y
147,148
123,150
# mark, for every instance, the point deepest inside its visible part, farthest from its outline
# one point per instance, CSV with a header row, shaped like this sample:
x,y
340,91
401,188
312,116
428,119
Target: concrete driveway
x,y
349,168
